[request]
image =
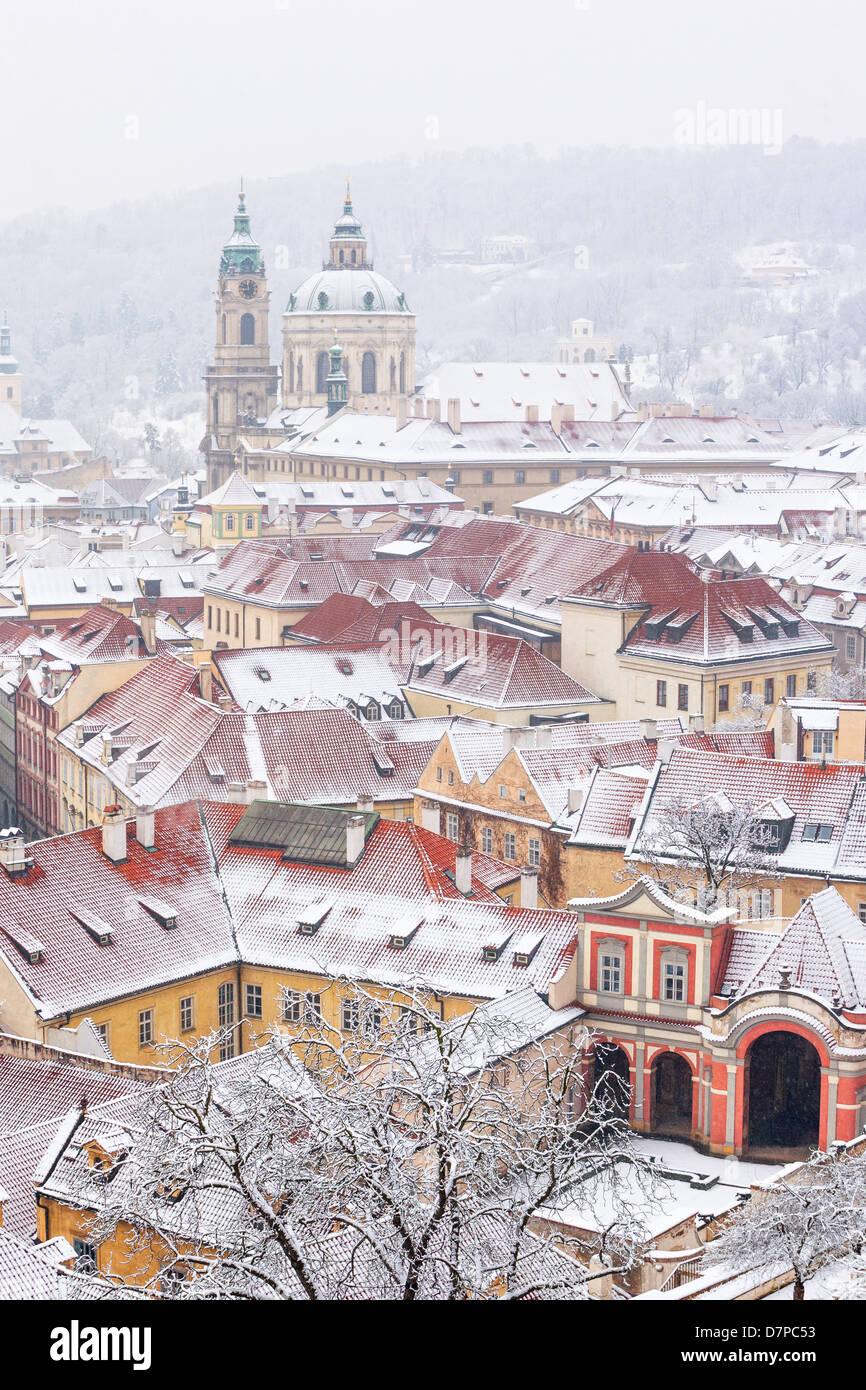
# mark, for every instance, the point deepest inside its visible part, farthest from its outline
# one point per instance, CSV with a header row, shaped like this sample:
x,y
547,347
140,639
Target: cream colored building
x,y
371,317
584,344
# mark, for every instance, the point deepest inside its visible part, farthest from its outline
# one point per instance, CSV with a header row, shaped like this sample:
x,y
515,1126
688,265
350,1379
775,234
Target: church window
x,y
224,327
248,330
589,355
291,371
300,374
342,257
354,257
368,374
393,375
323,367
402,373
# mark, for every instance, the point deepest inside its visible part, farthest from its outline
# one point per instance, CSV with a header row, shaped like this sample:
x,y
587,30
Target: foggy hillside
x,y
114,307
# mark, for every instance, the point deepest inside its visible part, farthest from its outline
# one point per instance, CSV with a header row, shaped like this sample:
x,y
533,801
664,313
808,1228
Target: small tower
x,y
241,384
338,385
348,243
10,373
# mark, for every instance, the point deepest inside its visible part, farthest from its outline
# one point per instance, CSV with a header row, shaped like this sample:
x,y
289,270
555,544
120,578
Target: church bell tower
x,y
241,384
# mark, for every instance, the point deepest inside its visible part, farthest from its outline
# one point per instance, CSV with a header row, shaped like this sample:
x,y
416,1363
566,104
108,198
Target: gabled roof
x,y
235,492
823,950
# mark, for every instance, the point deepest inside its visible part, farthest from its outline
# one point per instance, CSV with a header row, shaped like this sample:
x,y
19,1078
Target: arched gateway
x,y
782,1093
671,1095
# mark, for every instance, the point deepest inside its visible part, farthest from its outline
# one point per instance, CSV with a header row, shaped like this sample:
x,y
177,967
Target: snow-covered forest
x,y
113,309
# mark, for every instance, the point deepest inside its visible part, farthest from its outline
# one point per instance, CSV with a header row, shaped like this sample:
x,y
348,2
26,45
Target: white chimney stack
x,y
430,816
13,857
114,834
454,414
543,736
665,749
528,887
145,828
649,729
463,870
365,803
575,799
354,839
696,723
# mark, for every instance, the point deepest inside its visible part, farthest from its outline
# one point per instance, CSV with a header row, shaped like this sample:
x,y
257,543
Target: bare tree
x,y
708,849
803,1222
401,1158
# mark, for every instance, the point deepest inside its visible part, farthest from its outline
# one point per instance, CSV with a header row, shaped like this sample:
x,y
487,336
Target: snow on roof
x,y
501,391
234,900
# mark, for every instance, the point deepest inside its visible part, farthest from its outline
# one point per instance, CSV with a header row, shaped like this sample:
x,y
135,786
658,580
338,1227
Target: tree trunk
x,y
799,1290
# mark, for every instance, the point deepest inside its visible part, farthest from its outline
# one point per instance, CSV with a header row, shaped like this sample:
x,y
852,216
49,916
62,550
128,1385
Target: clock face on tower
x,y
248,288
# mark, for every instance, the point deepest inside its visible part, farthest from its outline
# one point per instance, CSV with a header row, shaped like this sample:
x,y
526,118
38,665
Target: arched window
x,y
342,257
300,373
354,254
368,374
216,409
224,327
248,329
323,367
291,371
402,373
589,355
393,375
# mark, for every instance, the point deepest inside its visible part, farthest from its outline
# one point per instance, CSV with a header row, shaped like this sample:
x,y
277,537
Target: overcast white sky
x,y
108,99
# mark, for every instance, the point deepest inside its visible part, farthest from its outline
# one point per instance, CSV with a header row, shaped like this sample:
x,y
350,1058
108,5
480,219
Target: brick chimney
x,y
114,834
463,870
528,887
454,414
531,414
434,408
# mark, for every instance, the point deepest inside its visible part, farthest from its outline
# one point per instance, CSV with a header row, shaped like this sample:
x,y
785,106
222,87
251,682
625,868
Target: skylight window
x,y
815,831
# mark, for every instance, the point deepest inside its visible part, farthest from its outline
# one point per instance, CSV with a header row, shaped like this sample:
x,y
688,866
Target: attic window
x,y
526,950
310,918
455,668
114,583
815,831
263,673
496,944
404,932
384,766
30,946
95,926
80,585
165,915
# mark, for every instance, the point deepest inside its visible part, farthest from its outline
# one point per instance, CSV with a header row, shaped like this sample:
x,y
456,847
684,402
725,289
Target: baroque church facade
x,y
348,340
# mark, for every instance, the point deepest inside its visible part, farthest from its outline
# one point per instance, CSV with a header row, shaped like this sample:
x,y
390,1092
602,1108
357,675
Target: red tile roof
x,y
697,618
237,901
